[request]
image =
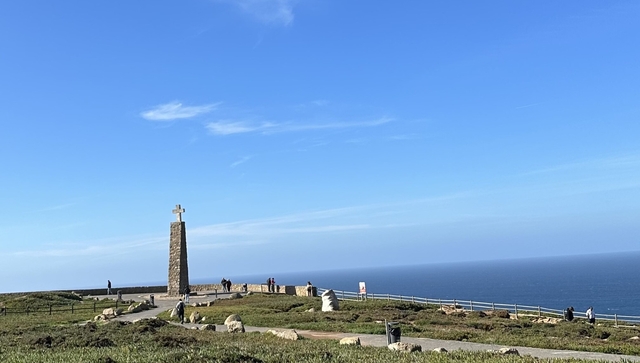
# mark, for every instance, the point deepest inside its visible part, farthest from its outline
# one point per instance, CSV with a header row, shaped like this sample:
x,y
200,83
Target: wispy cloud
x,y
278,12
57,207
624,161
94,248
176,110
228,127
241,161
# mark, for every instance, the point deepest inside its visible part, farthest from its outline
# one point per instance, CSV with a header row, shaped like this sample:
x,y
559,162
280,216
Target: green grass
x,y
58,337
418,320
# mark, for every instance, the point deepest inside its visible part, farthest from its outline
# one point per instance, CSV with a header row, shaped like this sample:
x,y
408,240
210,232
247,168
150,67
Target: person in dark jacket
x,y
228,285
187,291
568,314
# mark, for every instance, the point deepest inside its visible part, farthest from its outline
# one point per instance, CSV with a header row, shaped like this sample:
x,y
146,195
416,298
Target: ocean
x,y
608,282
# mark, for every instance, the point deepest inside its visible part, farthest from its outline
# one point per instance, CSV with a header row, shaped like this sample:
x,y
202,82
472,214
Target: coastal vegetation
x,y
66,337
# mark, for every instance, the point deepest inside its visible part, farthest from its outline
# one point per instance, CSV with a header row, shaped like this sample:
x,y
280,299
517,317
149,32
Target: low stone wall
x,y
262,288
257,288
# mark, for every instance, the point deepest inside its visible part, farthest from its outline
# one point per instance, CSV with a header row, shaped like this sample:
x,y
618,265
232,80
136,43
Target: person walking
x,y
309,289
108,287
187,291
223,282
180,311
591,316
228,285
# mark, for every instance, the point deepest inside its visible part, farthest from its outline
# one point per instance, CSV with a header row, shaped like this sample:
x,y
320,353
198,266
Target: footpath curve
x,y
166,303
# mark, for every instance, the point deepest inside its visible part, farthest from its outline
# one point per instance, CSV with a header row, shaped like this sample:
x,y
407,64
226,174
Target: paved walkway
x,y
165,303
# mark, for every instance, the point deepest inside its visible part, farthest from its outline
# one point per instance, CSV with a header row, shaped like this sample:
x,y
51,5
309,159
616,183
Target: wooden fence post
x,y
615,318
388,297
493,306
94,306
71,308
49,309
413,300
516,310
539,313
471,304
440,302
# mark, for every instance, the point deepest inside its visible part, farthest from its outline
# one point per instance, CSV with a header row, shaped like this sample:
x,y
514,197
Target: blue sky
x,y
309,135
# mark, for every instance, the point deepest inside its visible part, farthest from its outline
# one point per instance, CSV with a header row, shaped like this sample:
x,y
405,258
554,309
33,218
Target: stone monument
x,y
178,267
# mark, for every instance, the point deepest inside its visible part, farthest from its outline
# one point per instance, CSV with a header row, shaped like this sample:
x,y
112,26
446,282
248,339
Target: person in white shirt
x,y
591,315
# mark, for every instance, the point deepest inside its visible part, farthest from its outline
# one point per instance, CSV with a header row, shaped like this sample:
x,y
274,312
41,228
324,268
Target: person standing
x,y
273,285
591,316
228,285
223,282
568,314
269,284
187,291
309,289
108,287
180,311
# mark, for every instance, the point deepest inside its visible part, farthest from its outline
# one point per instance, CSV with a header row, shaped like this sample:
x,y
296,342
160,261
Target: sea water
x,y
608,282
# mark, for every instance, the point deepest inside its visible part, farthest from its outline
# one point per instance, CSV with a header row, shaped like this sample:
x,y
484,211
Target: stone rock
x,y
235,295
109,312
118,311
194,328
204,318
312,310
505,351
249,293
546,320
350,341
194,317
209,303
635,338
440,350
289,334
195,305
513,351
405,347
174,312
454,310
235,327
211,327
329,301
144,306
101,317
232,317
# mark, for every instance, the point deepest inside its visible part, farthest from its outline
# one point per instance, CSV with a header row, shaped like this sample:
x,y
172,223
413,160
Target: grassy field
x,y
427,321
59,337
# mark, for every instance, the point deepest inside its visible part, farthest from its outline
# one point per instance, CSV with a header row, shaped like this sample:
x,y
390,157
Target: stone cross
x,y
178,212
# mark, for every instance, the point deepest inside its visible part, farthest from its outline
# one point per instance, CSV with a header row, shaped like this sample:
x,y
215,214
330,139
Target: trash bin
x,y
393,332
151,298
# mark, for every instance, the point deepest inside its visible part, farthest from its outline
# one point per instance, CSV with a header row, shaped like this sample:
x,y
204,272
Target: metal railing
x,y
470,305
